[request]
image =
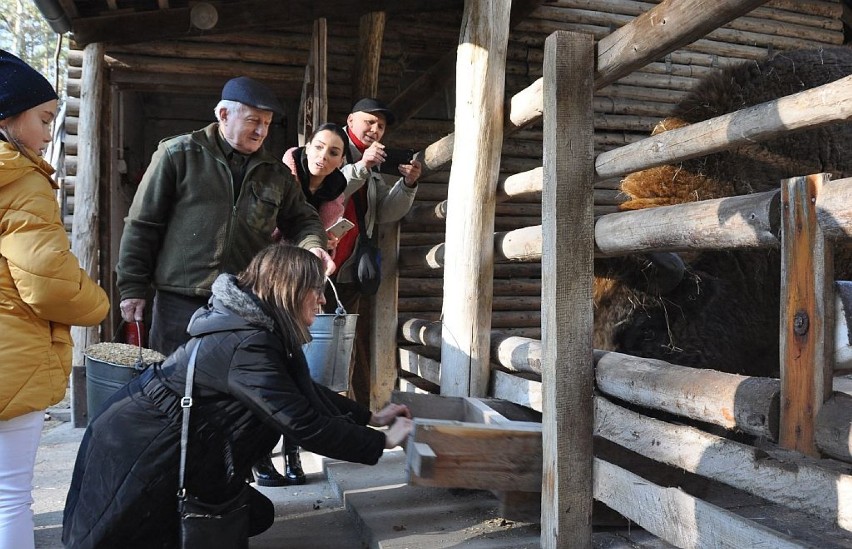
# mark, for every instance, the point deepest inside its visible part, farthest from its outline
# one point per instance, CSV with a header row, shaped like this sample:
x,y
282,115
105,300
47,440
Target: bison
x,y
720,310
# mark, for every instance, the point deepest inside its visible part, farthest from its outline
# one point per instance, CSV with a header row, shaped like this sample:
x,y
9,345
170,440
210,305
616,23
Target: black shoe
x,y
293,473
266,474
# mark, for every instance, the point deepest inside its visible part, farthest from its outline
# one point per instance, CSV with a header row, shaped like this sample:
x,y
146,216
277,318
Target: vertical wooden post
x,y
566,290
469,249
371,32
384,321
807,312
84,228
313,108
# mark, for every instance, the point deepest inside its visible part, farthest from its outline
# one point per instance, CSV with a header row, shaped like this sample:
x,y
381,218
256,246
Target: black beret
x,y
21,86
252,93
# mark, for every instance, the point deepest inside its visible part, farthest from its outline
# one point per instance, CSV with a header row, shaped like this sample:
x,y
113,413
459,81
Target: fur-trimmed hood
x,y
230,308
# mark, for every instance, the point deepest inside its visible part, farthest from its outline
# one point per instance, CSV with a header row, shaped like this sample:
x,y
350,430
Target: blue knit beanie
x,y
21,86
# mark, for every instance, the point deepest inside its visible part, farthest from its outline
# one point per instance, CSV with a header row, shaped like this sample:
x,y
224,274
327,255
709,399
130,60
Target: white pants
x,y
19,438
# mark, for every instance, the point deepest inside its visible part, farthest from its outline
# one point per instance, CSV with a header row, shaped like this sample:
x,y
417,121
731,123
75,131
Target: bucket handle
x,y
340,309
140,365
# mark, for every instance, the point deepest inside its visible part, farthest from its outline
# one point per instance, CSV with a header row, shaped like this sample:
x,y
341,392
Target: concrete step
x,y
394,515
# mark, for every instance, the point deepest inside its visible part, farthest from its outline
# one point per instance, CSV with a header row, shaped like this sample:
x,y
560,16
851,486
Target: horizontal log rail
x,y
739,222
808,109
780,476
735,402
519,354
747,221
657,32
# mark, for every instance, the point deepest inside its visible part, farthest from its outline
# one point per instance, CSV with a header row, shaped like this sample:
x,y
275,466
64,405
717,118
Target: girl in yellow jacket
x,y
42,290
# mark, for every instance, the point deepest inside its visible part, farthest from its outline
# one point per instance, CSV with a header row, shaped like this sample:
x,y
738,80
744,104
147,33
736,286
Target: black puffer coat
x,y
249,389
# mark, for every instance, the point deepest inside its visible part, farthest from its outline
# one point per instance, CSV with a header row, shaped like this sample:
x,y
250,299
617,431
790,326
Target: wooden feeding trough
x,y
476,443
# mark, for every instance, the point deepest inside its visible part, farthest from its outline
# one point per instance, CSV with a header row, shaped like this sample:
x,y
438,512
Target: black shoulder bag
x,y
368,257
204,525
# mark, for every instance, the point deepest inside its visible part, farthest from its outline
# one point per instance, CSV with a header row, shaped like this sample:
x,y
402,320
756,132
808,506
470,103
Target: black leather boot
x,y
266,474
293,472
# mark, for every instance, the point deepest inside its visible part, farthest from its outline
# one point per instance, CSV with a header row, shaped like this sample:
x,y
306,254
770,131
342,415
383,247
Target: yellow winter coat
x,y
43,291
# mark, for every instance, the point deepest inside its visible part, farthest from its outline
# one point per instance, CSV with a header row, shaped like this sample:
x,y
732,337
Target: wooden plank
x,y
783,477
821,105
420,459
520,390
384,320
566,291
747,404
480,88
477,411
313,105
419,365
469,455
85,235
417,386
431,406
677,517
235,17
807,311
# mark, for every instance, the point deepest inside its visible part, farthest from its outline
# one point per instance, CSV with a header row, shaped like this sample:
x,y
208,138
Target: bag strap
x,y
361,210
186,404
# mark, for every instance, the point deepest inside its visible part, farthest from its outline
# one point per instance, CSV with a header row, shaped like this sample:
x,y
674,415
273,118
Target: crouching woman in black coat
x,y
252,385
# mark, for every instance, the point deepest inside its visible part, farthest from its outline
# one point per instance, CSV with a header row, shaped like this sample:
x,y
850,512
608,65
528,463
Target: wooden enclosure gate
x,y
799,412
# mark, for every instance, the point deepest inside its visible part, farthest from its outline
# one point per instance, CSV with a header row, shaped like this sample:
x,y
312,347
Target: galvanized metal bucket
x,y
105,376
329,352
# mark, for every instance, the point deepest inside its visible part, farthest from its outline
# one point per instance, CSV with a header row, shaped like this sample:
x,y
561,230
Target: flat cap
x,y
250,92
369,104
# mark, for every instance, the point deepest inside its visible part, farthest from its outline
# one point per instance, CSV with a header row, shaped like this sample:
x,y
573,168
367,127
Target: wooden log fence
x,y
735,402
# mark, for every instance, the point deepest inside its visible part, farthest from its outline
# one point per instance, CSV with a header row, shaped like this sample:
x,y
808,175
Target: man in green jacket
x,y
208,202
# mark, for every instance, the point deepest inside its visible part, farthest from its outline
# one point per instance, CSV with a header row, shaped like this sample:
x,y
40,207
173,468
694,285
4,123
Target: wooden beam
x,y
667,27
679,518
313,107
480,89
438,77
807,313
525,106
150,26
566,290
85,238
783,477
384,321
371,32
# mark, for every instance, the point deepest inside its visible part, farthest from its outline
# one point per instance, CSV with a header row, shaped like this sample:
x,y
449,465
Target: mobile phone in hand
x,y
340,227
395,157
